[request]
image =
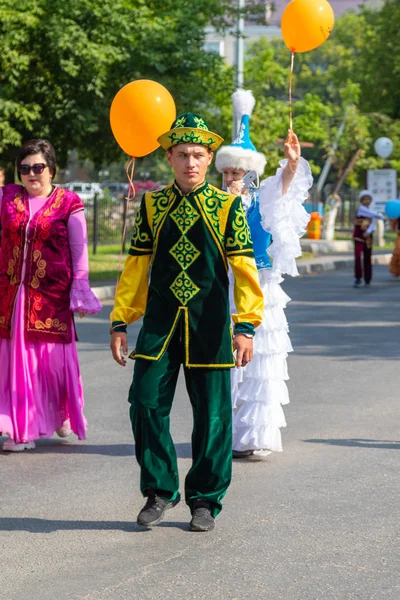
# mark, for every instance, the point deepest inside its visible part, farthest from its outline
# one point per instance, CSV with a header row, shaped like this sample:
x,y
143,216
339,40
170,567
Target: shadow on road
x,y
358,443
329,318
34,525
50,446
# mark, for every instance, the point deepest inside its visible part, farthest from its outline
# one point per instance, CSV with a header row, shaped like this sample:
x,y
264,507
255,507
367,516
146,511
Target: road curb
x,y
104,292
323,265
311,267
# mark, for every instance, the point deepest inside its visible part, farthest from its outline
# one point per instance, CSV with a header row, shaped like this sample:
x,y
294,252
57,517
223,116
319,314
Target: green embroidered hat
x,y
190,129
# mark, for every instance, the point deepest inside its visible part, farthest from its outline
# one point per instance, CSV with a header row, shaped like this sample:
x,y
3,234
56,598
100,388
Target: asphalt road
x,y
318,521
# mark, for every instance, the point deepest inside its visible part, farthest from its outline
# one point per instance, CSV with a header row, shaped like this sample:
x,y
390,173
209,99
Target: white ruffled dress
x,y
259,390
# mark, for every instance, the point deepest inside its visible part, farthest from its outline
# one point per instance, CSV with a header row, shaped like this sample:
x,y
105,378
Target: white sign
x,y
382,183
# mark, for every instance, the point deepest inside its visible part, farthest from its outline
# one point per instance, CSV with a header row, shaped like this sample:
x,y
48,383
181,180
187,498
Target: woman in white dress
x,y
277,220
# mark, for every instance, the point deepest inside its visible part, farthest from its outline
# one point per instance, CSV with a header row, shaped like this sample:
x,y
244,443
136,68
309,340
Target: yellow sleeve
x,y
248,296
132,289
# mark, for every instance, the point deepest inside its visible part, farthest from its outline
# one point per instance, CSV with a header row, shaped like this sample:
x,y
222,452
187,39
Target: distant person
x,y
394,266
364,225
43,280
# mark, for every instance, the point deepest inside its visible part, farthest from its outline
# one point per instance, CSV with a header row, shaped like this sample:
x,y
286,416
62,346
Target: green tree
x,y
62,62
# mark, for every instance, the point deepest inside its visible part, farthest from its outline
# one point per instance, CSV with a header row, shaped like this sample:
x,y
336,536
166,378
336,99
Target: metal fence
x,y
107,220
347,209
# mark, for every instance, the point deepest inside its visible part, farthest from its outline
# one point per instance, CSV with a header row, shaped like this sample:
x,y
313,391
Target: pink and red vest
x,y
47,277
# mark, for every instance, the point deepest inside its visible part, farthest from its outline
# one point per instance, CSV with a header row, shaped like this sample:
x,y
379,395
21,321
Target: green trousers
x,y
151,395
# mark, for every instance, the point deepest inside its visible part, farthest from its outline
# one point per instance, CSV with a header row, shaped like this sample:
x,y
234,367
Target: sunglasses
x,y
36,169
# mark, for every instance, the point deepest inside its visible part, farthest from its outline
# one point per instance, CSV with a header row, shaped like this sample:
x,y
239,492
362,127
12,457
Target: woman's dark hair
x,y
36,146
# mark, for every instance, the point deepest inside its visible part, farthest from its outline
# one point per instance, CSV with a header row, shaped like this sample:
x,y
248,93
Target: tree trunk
x,y
334,200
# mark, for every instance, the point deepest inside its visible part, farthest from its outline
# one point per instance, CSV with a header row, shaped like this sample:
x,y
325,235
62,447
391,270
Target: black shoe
x,y
358,283
154,510
242,453
202,519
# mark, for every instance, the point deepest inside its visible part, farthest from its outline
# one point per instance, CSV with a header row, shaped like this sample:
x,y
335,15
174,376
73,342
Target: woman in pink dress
x,y
43,280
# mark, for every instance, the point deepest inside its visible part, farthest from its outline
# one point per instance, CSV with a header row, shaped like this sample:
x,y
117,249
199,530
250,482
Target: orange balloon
x,y
140,112
306,24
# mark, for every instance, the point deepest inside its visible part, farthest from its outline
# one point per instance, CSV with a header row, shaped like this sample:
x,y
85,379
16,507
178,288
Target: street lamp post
x,y
239,62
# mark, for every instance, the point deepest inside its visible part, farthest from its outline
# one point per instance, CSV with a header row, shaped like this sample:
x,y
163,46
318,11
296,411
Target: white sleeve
x,y
371,227
284,216
363,211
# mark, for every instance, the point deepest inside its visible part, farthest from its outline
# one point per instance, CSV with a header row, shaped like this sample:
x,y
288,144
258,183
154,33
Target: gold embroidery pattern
x,y
183,288
19,203
184,252
180,122
241,237
217,209
185,216
50,324
11,266
41,268
138,236
200,123
56,204
158,209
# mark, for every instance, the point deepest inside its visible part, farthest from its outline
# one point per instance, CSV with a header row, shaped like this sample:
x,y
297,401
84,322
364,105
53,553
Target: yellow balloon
x,y
306,24
140,112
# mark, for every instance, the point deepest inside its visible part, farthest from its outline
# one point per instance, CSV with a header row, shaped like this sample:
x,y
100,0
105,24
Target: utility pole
x,y
239,59
239,45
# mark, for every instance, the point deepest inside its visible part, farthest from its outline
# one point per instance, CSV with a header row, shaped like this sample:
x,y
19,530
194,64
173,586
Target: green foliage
x,y
63,61
352,78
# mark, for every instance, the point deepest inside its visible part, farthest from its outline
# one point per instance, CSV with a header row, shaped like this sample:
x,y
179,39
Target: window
x,y
215,46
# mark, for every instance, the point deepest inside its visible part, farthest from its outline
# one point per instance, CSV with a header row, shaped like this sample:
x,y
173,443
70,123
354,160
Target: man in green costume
x,y
176,277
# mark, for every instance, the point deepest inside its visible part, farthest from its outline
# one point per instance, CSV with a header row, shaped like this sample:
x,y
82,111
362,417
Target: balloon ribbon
x,y
290,93
130,170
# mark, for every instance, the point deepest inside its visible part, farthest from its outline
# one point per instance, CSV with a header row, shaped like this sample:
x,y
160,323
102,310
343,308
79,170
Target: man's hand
x,y
118,340
366,234
244,349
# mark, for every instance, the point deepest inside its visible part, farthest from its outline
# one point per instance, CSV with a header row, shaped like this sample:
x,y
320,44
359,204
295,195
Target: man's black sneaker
x,y
154,510
202,519
358,283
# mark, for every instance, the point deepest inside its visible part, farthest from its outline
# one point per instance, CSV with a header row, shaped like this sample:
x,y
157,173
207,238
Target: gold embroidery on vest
x,y
185,216
184,252
41,268
184,288
241,237
11,266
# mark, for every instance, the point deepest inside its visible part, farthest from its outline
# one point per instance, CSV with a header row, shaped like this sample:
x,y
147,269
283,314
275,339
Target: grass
x,y
390,237
103,266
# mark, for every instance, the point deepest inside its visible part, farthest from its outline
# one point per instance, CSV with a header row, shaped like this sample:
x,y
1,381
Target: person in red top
x,y
43,280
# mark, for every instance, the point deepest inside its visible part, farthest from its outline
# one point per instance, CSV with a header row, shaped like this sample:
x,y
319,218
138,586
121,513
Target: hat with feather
x,y
242,153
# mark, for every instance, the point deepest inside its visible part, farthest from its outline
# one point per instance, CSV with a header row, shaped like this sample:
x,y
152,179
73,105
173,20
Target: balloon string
x,y
290,93
130,170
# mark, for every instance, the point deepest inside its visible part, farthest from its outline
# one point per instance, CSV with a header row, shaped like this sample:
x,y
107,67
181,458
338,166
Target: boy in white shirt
x,y
364,225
